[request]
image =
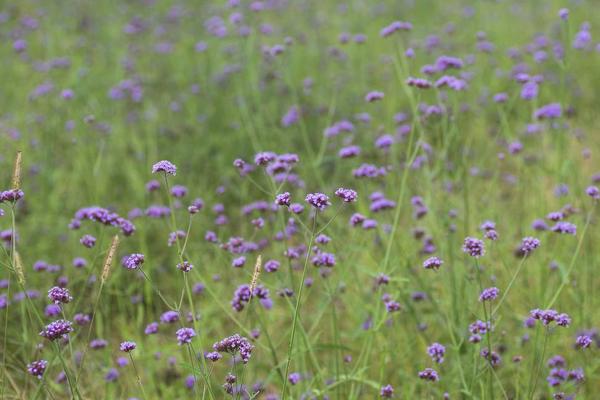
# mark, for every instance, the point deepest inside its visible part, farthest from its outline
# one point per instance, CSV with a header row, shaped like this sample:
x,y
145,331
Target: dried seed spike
x,y
19,269
16,179
256,274
109,258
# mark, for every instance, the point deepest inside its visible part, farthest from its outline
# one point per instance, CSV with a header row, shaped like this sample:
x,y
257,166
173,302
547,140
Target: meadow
x,y
299,199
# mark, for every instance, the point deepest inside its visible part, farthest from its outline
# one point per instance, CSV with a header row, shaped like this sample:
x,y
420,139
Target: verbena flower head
x,y
432,263
489,294
473,247
37,368
347,195
529,244
564,228
319,201
185,266
10,196
436,351
57,329
387,392
593,192
127,346
583,342
283,199
235,344
133,261
546,317
185,335
59,295
164,166
429,374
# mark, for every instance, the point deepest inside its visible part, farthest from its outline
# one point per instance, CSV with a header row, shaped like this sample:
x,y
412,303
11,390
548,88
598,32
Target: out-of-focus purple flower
x,y
59,295
319,201
235,344
564,228
373,96
429,374
549,111
436,351
432,263
133,261
489,294
347,195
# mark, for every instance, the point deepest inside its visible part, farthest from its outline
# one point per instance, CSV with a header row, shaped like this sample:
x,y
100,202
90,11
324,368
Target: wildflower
x,y
57,329
294,378
564,227
583,342
283,199
133,261
235,344
593,192
432,263
319,201
37,368
178,191
347,195
185,335
549,111
151,328
59,295
436,351
169,317
88,241
387,392
185,266
489,294
429,374
127,346
373,96
473,247
164,166
528,244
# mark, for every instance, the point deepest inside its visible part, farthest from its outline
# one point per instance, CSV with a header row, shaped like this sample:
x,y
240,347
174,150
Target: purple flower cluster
x,y
347,195
11,196
489,294
436,351
164,166
37,368
104,217
185,335
433,263
319,201
57,329
59,295
473,247
235,344
133,261
549,316
127,346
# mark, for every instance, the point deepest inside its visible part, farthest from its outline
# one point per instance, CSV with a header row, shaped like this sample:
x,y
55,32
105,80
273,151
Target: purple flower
x,y
88,241
473,247
238,262
13,195
283,199
213,356
563,13
419,83
59,295
387,392
151,328
235,344
112,375
432,263
294,378
593,192
583,342
264,158
373,96
565,228
57,329
429,374
323,260
169,317
178,191
127,346
164,166
185,335
549,111
185,266
528,244
37,368
319,201
133,261
347,195
436,351
489,294
272,265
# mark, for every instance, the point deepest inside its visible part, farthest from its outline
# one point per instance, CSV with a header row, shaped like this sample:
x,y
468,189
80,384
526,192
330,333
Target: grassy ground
x,y
162,80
